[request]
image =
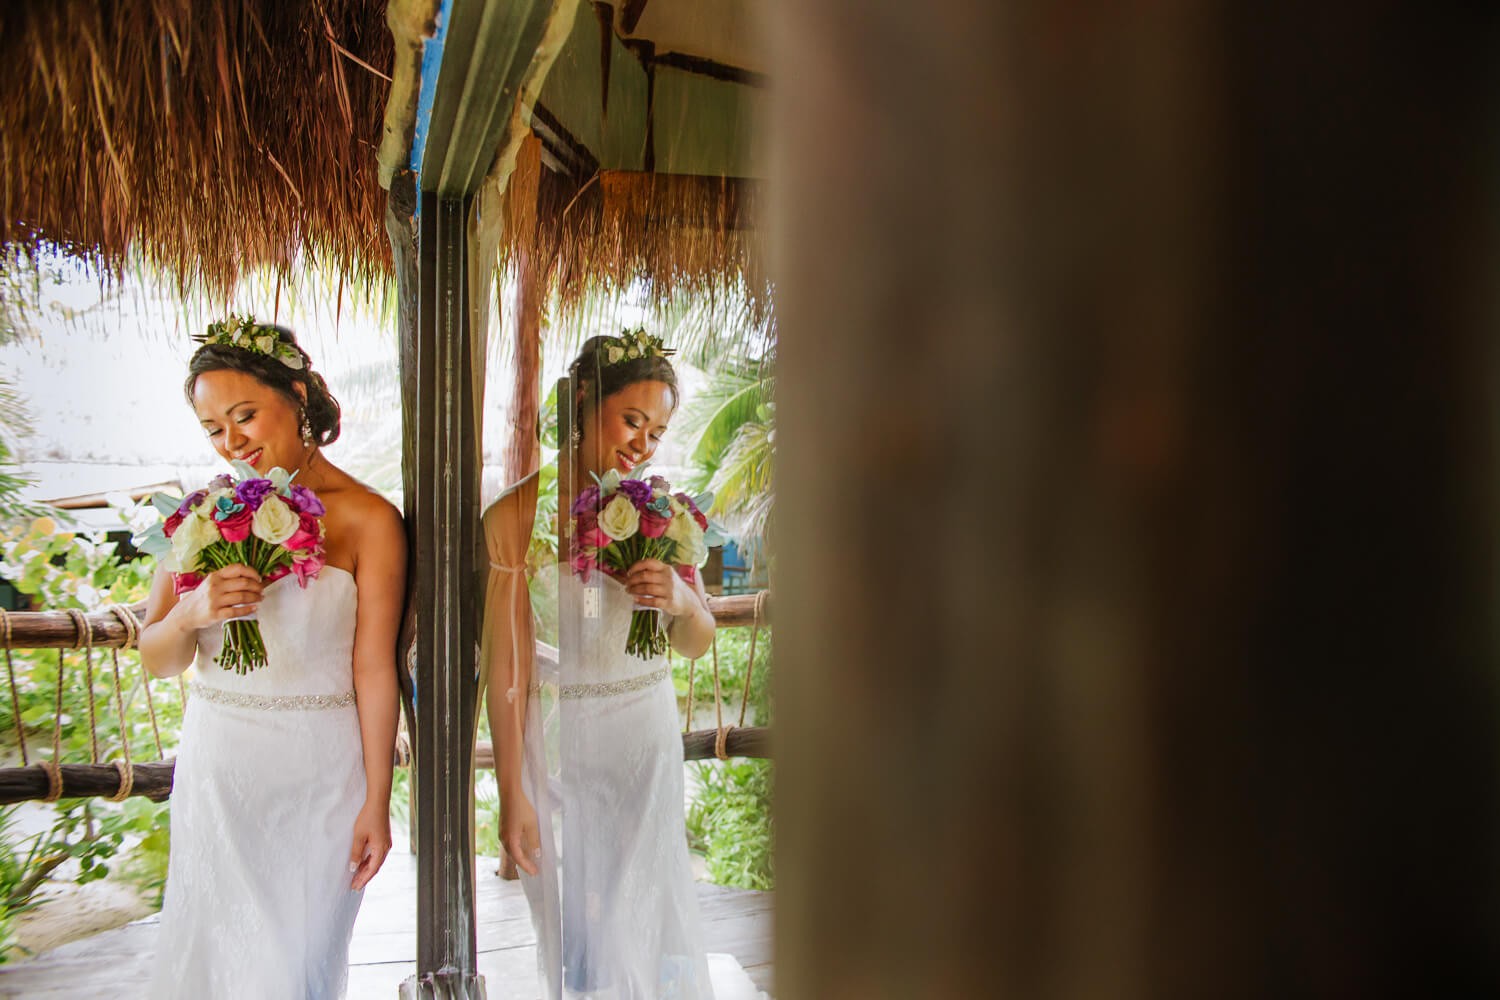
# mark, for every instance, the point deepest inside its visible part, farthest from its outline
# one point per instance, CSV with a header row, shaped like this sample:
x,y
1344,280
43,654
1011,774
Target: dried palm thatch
x,y
211,138
681,233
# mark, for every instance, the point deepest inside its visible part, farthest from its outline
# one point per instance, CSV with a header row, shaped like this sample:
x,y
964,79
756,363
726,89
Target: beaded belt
x,y
607,689
274,703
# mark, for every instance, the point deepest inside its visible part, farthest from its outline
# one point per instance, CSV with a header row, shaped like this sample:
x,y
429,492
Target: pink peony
x,y
306,568
184,582
236,527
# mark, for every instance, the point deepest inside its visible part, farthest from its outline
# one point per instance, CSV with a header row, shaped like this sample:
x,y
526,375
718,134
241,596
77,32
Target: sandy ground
x,y
69,911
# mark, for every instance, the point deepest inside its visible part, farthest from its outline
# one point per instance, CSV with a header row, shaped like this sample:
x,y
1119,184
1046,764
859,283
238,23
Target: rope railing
x,y
49,779
118,627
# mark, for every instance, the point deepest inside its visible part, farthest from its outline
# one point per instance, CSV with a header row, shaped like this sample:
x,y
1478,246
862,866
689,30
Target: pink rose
x,y
594,538
653,525
277,573
170,525
687,573
692,509
184,582
309,534
583,564
306,568
236,527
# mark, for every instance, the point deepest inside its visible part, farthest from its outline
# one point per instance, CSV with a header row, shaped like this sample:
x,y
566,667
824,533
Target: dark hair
x,y
593,370
321,409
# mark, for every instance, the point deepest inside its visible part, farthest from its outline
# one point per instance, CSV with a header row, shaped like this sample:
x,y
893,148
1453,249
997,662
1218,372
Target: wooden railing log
x,y
739,609
748,741
30,784
55,629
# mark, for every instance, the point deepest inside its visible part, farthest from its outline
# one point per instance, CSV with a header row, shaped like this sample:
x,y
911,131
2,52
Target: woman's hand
x,y
655,584
519,833
372,842
225,593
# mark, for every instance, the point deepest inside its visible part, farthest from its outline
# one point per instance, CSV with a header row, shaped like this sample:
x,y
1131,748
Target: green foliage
x,y
89,838
734,652
733,425
730,822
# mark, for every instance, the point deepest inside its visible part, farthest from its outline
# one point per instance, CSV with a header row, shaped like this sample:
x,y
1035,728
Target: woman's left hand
x,y
372,842
655,584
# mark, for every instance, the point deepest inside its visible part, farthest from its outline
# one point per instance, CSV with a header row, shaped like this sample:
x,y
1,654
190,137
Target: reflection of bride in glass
x,y
589,757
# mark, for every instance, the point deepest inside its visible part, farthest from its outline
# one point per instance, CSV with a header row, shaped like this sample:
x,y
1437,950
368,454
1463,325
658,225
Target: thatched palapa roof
x,y
212,138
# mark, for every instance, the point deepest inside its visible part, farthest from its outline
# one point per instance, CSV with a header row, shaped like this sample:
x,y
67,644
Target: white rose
x,y
615,354
691,548
619,519
264,343
192,536
275,522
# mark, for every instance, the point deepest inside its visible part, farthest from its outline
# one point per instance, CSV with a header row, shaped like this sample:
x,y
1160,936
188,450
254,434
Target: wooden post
x,y
441,455
1160,338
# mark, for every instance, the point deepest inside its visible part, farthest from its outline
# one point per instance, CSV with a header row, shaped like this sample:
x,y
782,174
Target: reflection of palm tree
x,y
14,424
369,446
734,417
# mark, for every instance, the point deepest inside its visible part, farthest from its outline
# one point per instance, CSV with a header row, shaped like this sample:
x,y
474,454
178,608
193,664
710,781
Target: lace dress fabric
x,y
614,906
269,780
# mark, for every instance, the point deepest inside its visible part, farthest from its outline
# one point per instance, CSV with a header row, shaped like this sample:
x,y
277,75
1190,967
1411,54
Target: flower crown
x,y
248,335
631,345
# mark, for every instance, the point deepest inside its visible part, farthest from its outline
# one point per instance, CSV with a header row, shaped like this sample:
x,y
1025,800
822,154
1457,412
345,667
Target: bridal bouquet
x,y
619,522
267,523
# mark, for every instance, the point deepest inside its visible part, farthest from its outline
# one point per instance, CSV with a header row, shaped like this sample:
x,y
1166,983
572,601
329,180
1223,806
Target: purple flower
x,y
222,481
638,492
190,501
306,501
660,484
587,501
252,492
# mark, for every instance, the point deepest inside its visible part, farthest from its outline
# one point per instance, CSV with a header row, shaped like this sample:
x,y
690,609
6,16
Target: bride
x,y
281,797
589,761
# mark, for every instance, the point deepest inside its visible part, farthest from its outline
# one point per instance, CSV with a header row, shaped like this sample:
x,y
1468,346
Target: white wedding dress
x,y
269,780
614,905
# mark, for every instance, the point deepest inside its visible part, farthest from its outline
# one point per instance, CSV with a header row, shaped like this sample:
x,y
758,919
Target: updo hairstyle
x,y
321,409
595,378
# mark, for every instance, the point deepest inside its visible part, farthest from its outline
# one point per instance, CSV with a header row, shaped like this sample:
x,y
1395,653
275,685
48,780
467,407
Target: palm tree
x,y
734,417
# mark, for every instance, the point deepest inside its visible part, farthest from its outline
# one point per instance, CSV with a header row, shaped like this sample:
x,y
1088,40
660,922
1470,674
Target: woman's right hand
x,y
225,593
519,833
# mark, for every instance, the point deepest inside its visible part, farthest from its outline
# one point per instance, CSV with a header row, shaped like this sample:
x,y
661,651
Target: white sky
x,y
101,372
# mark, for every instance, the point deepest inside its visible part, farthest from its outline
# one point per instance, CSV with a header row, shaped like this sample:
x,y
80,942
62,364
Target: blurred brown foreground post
x,y
1136,500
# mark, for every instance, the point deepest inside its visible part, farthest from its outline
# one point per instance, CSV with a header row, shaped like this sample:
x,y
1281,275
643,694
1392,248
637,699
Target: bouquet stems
x,y
646,638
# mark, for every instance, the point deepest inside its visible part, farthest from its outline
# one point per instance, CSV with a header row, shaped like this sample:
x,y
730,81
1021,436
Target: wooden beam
x,y
59,629
151,780
739,609
443,457
739,741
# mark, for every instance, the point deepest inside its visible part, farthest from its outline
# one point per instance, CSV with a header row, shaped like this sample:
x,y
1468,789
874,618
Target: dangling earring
x,y
577,436
307,437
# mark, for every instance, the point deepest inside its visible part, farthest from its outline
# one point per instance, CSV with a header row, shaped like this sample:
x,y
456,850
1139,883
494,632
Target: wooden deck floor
x,y
117,963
